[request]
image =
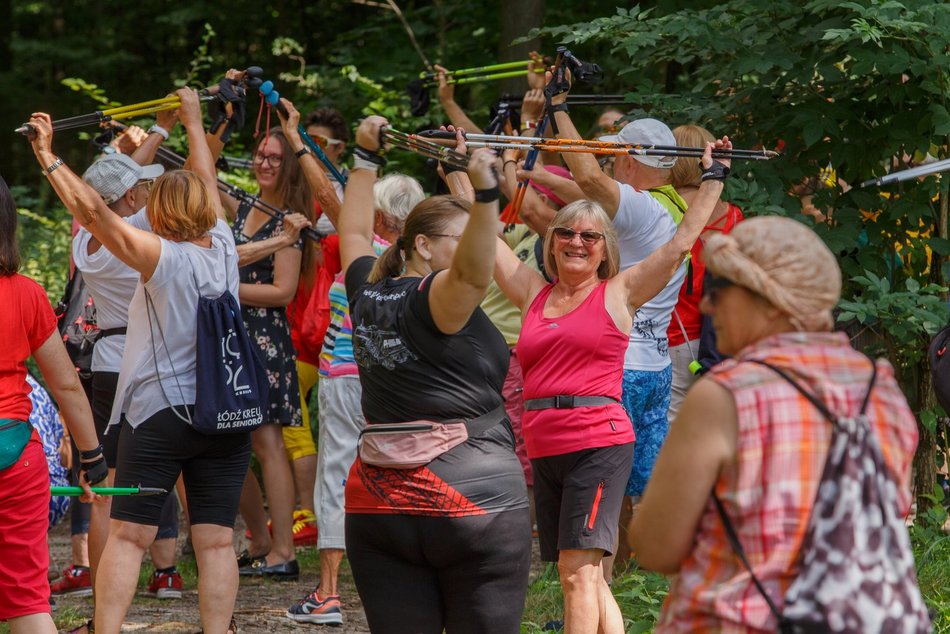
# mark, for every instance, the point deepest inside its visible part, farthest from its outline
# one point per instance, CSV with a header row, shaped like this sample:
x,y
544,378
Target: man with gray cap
x,y
645,210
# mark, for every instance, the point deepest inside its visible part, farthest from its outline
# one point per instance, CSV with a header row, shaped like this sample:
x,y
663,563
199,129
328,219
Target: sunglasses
x,y
713,285
324,141
565,234
274,160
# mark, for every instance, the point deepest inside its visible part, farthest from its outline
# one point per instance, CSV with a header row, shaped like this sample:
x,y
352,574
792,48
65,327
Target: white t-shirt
x,y
185,271
111,283
643,225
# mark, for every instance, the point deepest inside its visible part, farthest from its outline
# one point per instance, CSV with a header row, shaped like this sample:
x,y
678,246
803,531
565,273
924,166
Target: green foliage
x,y
931,545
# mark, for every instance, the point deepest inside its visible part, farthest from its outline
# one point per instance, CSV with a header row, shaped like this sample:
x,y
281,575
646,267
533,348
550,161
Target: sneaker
x,y
166,585
305,528
313,610
76,581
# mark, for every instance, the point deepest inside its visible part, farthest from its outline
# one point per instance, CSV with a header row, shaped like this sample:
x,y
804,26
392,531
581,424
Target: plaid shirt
x,y
769,491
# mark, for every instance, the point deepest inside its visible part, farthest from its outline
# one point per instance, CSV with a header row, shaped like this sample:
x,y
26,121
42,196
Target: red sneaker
x,y
76,581
166,585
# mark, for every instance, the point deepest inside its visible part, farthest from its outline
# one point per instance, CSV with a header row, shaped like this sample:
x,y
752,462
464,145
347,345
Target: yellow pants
x,y
299,440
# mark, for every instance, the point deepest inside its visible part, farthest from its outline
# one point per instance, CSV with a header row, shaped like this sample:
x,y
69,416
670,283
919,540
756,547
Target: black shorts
x,y
577,498
103,390
164,446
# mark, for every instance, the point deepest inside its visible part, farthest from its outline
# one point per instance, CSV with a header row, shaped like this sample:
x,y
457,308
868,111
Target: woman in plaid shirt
x,y
746,433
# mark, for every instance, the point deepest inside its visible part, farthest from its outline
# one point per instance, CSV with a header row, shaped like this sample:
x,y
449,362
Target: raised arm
x,y
596,185
519,282
200,158
251,252
138,249
452,110
313,171
357,214
457,292
643,281
144,154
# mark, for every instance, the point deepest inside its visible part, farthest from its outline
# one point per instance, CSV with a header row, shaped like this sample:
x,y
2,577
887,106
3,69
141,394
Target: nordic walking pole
x,y
77,491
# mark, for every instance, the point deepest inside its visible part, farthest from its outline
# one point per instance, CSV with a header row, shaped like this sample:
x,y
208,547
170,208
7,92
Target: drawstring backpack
x,y
856,567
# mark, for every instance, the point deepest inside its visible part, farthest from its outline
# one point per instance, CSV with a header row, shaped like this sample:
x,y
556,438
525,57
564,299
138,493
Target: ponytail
x,y
389,264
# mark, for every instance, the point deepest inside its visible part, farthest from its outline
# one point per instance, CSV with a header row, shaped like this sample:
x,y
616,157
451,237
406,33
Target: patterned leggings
x,y
646,397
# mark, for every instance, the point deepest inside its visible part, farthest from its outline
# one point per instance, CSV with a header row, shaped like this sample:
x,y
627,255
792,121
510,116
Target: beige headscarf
x,y
783,261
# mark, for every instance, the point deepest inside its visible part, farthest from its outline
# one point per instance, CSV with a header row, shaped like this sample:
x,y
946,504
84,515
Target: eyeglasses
x,y
147,183
324,141
713,286
565,234
444,235
274,160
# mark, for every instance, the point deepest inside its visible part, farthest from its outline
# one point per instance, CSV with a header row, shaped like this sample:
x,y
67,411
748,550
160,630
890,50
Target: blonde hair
x,y
180,207
432,215
686,172
567,216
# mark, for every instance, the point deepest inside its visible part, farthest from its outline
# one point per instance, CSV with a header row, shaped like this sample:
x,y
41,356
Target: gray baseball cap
x,y
114,174
646,132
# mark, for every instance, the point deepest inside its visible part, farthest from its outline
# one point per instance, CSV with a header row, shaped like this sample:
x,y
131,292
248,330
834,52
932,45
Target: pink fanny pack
x,y
416,443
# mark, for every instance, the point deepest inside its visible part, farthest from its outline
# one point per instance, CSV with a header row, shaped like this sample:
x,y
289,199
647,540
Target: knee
x,y
579,574
139,536
207,537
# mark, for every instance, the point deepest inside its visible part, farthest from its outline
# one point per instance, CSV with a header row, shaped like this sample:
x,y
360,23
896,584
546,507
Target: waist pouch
x,y
417,443
14,434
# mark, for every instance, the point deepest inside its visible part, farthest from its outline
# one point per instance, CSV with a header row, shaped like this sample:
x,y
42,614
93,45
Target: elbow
x,y
653,555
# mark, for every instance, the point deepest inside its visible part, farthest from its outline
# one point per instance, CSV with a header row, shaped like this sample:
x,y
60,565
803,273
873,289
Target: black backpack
x,y
856,567
940,367
76,315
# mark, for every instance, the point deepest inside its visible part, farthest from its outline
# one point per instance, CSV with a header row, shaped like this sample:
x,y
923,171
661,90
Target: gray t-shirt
x,y
643,225
163,333
111,282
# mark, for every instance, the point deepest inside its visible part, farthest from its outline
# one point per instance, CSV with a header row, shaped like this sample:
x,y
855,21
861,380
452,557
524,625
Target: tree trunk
x,y
519,17
925,459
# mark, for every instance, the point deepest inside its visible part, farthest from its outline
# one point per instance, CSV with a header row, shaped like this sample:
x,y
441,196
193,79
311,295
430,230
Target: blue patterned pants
x,y
646,397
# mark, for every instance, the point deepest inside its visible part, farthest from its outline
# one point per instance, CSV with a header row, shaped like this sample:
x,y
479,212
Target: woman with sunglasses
x,y
270,266
571,348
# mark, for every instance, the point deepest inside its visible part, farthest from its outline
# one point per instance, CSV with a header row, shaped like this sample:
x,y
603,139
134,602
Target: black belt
x,y
562,401
109,332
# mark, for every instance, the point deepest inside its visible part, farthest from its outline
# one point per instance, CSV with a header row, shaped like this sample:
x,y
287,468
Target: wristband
x,y
92,453
52,168
529,125
448,169
157,129
96,471
715,172
561,107
487,195
359,163
368,155
302,152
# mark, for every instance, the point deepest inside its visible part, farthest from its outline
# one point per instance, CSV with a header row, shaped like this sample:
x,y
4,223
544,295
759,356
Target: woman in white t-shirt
x,y
190,254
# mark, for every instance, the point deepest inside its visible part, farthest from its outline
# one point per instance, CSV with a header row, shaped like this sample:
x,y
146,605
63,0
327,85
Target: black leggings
x,y
417,575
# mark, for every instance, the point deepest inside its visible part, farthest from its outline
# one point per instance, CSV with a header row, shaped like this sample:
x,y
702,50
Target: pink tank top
x,y
579,354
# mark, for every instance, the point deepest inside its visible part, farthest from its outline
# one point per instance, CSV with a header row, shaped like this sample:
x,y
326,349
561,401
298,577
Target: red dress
x,y
26,322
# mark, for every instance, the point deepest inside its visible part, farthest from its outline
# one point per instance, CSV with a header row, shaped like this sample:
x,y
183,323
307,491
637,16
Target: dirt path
x,y
261,605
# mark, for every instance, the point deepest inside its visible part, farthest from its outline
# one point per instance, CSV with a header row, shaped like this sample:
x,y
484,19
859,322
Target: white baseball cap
x,y
114,174
646,132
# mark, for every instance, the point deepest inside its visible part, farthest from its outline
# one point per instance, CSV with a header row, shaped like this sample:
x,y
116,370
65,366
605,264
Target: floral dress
x,y
268,326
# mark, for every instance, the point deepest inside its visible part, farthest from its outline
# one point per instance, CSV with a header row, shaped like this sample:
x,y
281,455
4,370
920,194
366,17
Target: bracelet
x,y
304,151
715,172
157,129
505,164
561,107
52,168
369,155
92,453
529,125
359,163
487,195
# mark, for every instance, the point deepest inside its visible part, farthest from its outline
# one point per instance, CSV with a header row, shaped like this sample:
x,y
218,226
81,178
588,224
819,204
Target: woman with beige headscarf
x,y
747,434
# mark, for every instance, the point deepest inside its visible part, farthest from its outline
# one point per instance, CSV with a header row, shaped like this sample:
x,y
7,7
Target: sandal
x,y
232,628
246,558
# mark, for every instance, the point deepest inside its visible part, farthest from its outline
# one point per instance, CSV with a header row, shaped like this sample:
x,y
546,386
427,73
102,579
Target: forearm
x,y
145,153
321,187
460,185
200,159
357,214
79,198
265,295
251,252
458,118
696,219
474,259
77,415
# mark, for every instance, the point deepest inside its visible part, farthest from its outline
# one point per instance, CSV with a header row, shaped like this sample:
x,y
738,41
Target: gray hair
x,y
570,214
394,196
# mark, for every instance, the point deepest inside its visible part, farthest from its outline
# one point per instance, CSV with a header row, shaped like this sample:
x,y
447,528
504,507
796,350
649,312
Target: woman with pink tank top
x,y
571,347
